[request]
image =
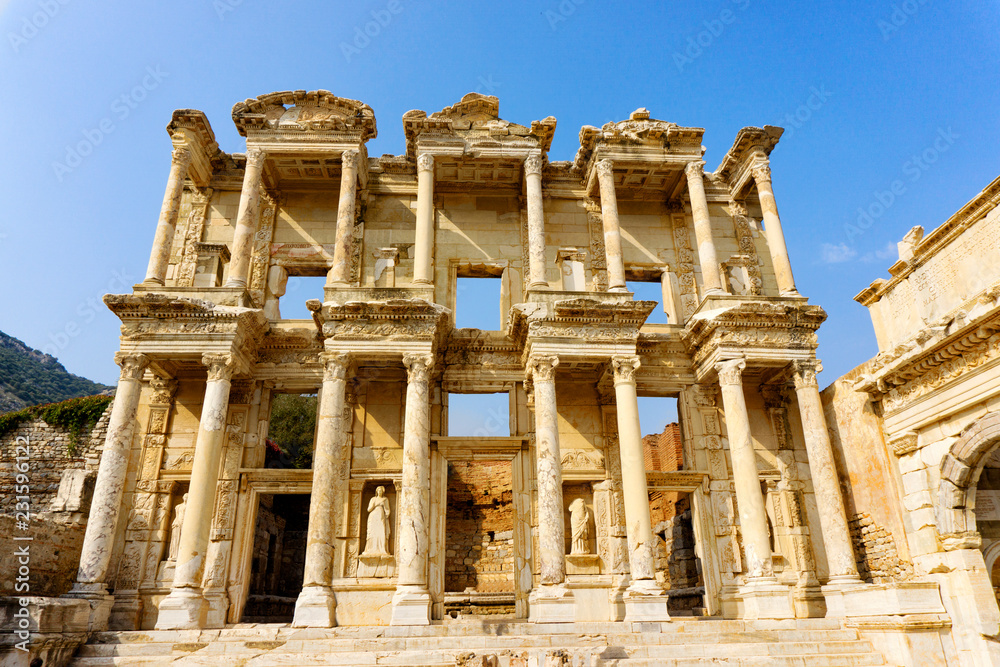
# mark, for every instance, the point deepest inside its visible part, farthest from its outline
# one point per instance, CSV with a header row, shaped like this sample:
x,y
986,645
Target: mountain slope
x,y
29,377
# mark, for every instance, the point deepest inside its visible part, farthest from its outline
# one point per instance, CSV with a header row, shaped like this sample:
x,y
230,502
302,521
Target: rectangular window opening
x,y
291,431
650,291
292,304
479,415
661,433
477,303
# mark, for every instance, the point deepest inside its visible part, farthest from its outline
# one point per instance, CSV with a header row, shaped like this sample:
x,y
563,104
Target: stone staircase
x,y
682,643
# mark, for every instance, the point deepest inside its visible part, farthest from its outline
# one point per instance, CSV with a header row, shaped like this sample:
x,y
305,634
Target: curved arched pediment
x,y
318,110
960,469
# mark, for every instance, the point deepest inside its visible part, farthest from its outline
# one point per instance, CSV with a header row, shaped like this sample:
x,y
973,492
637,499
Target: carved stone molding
x,y
220,366
163,390
624,367
903,444
132,365
418,367
543,368
731,371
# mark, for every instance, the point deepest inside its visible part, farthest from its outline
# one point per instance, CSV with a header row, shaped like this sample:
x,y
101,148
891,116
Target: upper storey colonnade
x,y
298,140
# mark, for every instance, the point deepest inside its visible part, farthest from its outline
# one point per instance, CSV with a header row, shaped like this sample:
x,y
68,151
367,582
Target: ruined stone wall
x,y
480,527
871,497
54,549
49,455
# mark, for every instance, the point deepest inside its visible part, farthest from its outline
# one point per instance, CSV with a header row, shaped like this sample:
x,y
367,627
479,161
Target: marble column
x,y
423,247
772,228
184,607
340,272
823,470
710,278
156,272
612,231
536,223
92,576
246,219
636,496
316,604
552,601
753,518
411,602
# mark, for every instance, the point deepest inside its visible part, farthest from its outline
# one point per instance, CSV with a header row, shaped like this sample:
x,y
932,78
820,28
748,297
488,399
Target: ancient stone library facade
x,y
395,522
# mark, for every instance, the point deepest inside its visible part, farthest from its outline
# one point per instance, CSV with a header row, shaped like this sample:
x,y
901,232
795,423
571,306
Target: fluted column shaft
x,y
110,486
246,218
772,228
612,230
184,607
753,519
703,228
551,526
340,272
423,250
823,470
163,240
536,223
315,605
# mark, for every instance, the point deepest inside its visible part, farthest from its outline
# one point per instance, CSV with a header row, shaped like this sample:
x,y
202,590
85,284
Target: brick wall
x,y
480,527
664,451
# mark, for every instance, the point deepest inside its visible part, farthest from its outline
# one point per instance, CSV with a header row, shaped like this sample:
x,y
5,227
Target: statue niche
x,y
581,558
376,559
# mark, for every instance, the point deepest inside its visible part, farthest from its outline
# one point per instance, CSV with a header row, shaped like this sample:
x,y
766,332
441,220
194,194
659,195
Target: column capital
x,y
604,168
425,162
543,367
220,366
731,371
335,366
533,165
132,365
418,367
349,159
624,367
695,168
181,156
737,208
761,171
164,389
804,373
255,157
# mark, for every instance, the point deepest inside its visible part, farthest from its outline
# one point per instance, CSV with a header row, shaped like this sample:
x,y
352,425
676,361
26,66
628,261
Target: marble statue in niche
x,y
377,540
175,528
579,520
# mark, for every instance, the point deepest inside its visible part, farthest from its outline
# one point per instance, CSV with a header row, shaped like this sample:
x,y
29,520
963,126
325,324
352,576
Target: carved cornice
x,y
750,144
639,131
590,320
305,112
392,319
754,327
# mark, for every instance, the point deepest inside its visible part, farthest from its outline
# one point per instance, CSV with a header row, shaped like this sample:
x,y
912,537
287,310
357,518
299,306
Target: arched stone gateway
x,y
960,470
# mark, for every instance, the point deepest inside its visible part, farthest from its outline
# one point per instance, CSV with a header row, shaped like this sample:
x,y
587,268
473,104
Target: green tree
x,y
290,431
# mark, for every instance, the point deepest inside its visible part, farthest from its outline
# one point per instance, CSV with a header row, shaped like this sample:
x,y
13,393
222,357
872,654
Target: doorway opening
x,y
278,558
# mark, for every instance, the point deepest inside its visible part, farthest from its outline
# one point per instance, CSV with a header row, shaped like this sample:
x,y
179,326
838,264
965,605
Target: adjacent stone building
x,y
408,525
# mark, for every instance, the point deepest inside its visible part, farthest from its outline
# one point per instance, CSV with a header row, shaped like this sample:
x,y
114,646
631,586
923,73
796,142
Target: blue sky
x,y
869,93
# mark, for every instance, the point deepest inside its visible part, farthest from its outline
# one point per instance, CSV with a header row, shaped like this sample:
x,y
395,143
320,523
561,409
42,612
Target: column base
x,y
315,608
809,601
645,601
766,600
551,603
411,605
183,609
235,284
153,282
100,602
